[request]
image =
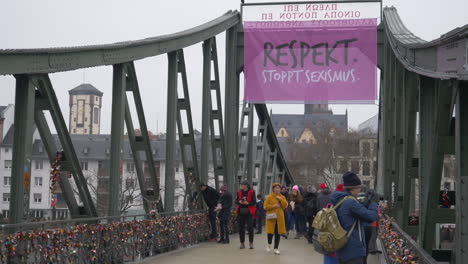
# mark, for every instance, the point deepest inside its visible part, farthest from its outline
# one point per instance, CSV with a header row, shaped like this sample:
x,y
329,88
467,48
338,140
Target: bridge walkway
x,y
293,251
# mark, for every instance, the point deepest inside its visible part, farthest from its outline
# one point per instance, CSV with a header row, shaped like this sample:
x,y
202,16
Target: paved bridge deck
x,y
292,251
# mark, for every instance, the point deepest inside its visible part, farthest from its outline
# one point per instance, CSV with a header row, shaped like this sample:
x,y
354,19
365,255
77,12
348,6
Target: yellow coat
x,y
269,204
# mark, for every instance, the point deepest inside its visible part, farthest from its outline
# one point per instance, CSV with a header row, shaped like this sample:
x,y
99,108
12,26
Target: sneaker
x,y
277,252
285,236
297,236
251,246
242,246
268,248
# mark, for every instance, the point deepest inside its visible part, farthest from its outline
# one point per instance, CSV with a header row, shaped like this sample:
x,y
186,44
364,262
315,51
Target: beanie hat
x,y
295,187
323,186
275,185
245,183
351,180
340,187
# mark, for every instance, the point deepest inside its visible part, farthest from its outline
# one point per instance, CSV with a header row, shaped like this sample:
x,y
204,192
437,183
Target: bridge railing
x,y
399,247
103,239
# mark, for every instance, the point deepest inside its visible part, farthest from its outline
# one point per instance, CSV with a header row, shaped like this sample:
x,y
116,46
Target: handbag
x,y
271,216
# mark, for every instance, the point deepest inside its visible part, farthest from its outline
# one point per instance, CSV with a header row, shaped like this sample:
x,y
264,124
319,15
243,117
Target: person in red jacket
x,y
246,209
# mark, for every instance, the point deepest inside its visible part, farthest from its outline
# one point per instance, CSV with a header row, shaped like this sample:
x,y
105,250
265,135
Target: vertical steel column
x,y
145,140
398,148
435,115
117,129
169,181
136,155
410,96
217,140
71,163
231,107
206,106
22,148
191,172
245,143
461,139
260,152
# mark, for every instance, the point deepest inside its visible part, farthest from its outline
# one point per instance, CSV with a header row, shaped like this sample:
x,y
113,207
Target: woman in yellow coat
x,y
275,204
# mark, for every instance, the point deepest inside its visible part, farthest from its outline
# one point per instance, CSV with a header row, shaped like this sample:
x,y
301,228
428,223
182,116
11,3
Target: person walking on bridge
x,y
246,209
274,205
224,215
351,214
211,197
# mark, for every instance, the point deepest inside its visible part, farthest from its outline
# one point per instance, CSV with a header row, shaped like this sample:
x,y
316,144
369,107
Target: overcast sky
x,y
58,23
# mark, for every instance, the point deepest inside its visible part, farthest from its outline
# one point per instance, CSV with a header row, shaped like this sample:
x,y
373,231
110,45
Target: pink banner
x,y
311,62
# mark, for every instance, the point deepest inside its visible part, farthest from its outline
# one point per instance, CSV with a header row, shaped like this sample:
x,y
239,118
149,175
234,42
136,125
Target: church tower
x,y
85,110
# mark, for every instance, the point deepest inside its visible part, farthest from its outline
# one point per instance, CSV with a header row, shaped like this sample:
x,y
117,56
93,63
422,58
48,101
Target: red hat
x,y
323,186
340,187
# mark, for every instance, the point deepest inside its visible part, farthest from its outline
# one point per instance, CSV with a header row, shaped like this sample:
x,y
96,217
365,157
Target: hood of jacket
x,y
338,196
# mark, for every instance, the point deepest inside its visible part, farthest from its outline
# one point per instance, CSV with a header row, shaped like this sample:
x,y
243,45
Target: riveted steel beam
x,y
169,181
186,135
117,130
22,148
216,121
132,85
206,107
245,144
461,186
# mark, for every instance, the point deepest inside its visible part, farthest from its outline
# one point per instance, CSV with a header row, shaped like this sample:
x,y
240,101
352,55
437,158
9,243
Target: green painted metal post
x,y
136,156
155,180
206,106
169,181
117,129
231,106
461,145
22,148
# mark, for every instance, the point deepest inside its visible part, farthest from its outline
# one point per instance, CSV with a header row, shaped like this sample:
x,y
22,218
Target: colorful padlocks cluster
x,y
114,242
55,178
397,248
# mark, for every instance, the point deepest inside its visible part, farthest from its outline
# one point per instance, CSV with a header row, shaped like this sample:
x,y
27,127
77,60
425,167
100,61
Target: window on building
x,y
74,130
39,164
366,168
176,182
343,166
7,150
84,165
6,213
103,182
6,181
7,164
37,181
99,164
176,202
374,168
130,167
86,131
355,167
62,214
130,183
96,115
365,149
37,213
38,197
6,197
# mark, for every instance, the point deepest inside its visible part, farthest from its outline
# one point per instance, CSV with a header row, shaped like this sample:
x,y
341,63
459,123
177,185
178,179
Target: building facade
x,y
85,110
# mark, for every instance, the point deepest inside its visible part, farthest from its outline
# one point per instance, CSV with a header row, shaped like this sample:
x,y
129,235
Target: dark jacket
x,y
249,194
349,212
260,210
323,199
310,204
211,196
299,203
226,203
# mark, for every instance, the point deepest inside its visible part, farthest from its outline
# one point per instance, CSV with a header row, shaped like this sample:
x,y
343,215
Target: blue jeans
x,y
297,221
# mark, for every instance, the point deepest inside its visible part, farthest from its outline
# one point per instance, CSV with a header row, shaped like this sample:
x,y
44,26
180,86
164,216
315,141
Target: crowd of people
x,y
284,213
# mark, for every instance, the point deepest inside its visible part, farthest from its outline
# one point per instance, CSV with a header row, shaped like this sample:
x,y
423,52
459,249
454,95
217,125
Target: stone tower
x,y
85,110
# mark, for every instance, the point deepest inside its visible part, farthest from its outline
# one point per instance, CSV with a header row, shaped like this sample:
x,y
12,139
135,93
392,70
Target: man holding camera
x,y
351,215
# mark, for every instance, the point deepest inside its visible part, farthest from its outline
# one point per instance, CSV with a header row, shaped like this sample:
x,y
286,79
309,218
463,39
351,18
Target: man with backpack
x,y
351,214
